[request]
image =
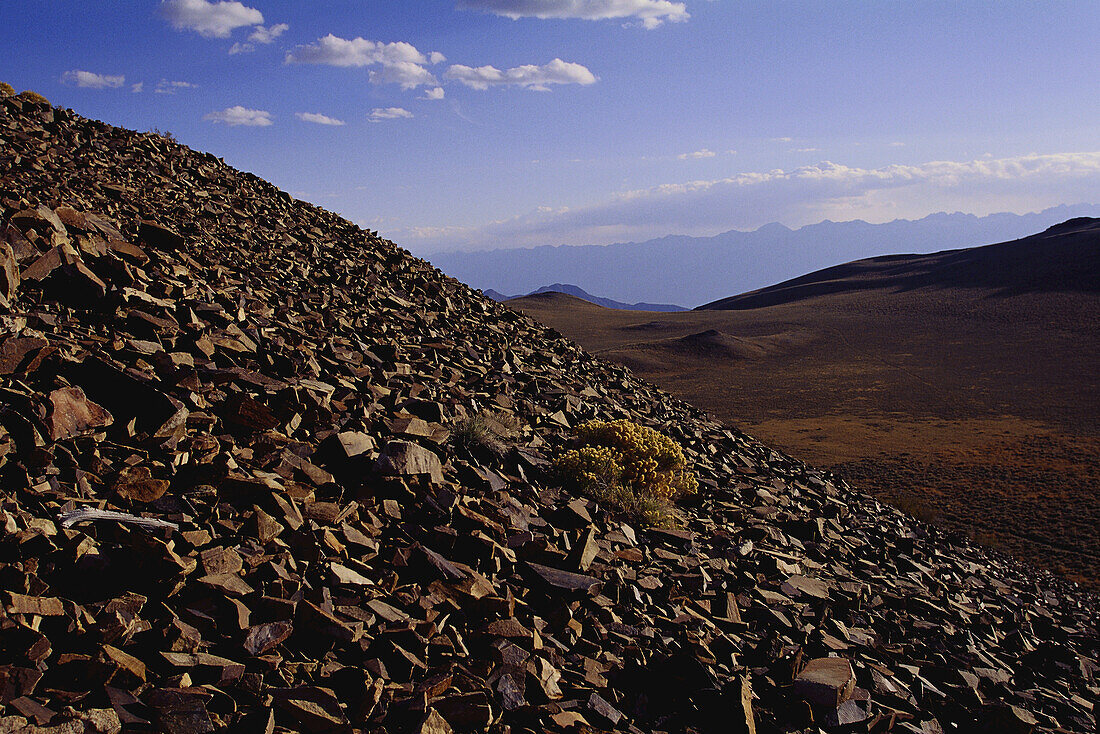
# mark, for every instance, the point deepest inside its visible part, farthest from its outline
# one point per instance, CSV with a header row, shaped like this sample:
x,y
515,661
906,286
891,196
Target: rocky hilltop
x,y
231,501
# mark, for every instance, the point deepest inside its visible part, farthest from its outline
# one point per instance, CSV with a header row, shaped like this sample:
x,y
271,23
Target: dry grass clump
x,y
166,134
6,90
35,97
629,468
486,430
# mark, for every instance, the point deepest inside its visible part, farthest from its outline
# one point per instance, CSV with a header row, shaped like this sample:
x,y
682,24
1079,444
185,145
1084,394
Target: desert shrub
x,y
629,468
918,507
166,134
6,90
486,430
34,97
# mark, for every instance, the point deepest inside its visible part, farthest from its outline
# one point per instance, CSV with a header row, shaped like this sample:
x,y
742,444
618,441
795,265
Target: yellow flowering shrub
x,y
33,97
632,468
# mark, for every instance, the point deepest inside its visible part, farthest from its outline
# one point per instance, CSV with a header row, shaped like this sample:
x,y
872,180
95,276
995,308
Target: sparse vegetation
x,y
918,507
6,90
630,468
486,430
166,134
34,97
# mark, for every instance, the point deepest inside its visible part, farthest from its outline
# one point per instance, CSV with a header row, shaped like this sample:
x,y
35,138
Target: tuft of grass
x,y
630,469
166,134
486,430
34,97
918,507
6,90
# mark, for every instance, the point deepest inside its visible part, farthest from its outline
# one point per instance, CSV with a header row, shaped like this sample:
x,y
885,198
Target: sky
x,y
481,124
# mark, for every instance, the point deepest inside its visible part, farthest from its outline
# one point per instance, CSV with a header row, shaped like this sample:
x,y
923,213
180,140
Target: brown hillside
x,y
960,385
240,491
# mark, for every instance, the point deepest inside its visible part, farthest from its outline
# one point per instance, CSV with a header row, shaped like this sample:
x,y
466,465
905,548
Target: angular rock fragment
x,y
826,682
409,459
72,413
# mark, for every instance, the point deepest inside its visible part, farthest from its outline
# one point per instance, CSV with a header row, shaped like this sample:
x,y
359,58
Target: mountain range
x,y
696,270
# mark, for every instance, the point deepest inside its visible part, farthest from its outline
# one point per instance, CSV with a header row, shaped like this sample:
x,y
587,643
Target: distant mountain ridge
x,y
698,270
584,295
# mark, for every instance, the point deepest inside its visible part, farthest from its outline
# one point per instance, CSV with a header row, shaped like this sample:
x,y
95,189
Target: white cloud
x,y
704,153
650,13
436,58
166,87
268,34
399,62
317,118
529,76
794,197
137,88
238,115
209,19
806,150
91,80
405,73
781,140
436,93
388,113
259,35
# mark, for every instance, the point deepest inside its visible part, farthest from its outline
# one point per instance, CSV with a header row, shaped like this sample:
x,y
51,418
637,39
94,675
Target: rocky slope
x,y
264,392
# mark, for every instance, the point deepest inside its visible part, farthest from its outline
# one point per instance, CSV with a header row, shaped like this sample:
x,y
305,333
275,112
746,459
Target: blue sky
x,y
496,123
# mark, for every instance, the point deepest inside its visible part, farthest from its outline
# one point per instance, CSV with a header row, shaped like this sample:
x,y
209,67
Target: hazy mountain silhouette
x,y
584,295
696,270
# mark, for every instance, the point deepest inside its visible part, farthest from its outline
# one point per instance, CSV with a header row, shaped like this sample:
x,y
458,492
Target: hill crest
x,y
1063,258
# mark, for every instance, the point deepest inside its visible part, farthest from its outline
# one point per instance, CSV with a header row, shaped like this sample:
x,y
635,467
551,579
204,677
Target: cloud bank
x,y
240,116
91,80
528,76
650,13
794,197
209,19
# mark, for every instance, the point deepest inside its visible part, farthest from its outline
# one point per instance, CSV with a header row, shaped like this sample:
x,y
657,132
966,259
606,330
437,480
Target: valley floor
x,y
977,414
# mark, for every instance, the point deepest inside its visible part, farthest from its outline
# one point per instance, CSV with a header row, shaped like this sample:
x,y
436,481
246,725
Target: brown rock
x,y
159,236
826,682
72,413
263,638
9,272
136,483
410,459
564,580
433,723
